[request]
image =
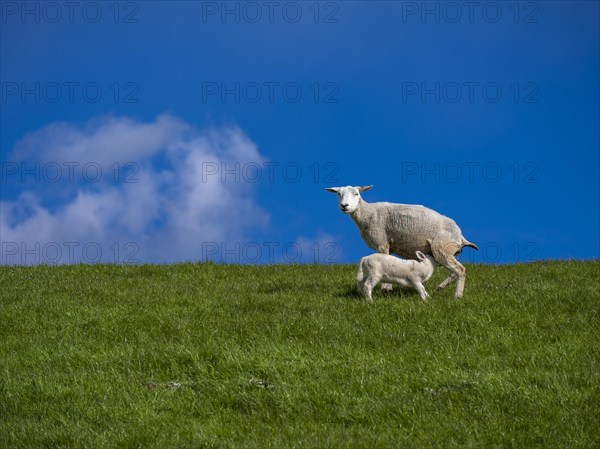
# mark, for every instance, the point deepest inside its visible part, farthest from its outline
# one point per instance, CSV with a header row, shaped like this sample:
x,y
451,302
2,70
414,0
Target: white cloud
x,y
162,210
104,140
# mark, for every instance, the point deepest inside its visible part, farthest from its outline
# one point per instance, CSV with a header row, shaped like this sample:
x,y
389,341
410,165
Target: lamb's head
x,y
427,260
348,197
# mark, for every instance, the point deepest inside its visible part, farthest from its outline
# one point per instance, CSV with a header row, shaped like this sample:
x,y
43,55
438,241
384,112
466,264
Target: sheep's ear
x,y
364,188
332,189
421,256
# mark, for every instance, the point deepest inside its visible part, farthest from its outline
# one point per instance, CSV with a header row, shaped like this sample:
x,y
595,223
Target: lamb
x,y
404,229
408,273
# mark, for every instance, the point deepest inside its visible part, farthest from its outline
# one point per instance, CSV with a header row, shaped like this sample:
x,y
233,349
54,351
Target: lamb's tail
x,y
465,242
359,274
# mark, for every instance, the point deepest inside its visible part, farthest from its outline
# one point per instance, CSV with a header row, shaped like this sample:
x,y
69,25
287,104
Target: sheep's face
x,y
348,197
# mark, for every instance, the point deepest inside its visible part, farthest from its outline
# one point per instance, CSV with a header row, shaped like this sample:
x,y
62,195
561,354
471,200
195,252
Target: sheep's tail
x,y
465,242
359,274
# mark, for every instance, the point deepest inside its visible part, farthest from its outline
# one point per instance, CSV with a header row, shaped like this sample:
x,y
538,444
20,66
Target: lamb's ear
x,y
421,256
332,189
364,188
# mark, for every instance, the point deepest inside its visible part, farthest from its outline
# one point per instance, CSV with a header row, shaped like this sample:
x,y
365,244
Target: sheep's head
x,y
348,197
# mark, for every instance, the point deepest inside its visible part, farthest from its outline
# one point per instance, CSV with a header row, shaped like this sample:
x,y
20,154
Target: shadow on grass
x,y
349,293
290,287
396,293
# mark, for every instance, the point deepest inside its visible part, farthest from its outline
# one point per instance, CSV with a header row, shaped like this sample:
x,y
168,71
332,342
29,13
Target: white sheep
x,y
383,267
404,229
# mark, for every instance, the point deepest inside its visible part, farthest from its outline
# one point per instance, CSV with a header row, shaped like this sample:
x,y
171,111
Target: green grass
x,y
216,356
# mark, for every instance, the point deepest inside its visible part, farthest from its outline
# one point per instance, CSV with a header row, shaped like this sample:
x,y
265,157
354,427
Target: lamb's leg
x,y
444,251
366,288
418,286
385,249
451,278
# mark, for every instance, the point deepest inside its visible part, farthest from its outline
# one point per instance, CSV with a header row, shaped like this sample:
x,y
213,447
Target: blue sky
x,y
179,131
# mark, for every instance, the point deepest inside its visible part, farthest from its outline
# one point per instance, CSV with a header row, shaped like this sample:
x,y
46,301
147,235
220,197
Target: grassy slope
x,y
204,355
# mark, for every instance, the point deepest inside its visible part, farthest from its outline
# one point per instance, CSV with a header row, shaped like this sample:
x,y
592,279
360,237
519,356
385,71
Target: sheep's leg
x,y
385,249
444,253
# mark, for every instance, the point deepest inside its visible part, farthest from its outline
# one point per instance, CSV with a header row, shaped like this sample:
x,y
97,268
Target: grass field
x,y
217,356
